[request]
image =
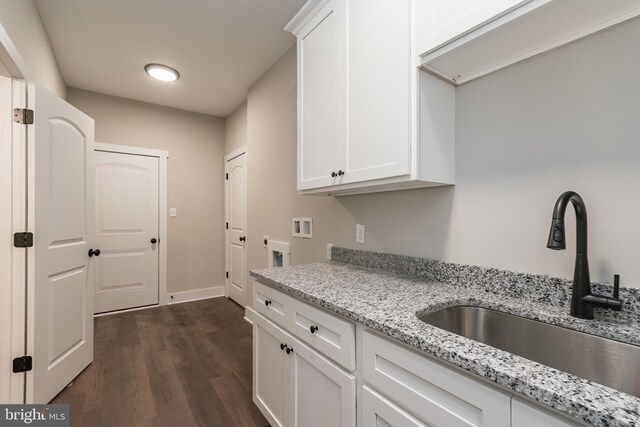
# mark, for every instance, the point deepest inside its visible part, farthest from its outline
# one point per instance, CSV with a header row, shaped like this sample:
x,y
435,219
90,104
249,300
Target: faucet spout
x,y
582,300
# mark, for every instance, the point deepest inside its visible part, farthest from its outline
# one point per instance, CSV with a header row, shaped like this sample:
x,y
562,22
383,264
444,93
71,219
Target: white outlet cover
x,y
360,234
329,246
173,212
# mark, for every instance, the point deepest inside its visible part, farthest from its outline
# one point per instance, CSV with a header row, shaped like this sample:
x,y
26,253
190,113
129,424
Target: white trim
x,y
249,321
128,149
163,235
304,15
126,310
10,58
13,198
235,153
197,294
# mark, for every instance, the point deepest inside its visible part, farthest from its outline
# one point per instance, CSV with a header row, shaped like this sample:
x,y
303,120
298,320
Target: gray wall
x,y
196,187
235,128
567,119
22,22
272,196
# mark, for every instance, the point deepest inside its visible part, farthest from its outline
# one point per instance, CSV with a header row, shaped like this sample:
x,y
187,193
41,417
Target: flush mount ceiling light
x,y
162,72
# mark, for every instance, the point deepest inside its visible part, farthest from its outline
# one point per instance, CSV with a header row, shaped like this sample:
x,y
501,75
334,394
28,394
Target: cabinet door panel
x,y
269,365
321,98
379,412
378,91
323,394
524,414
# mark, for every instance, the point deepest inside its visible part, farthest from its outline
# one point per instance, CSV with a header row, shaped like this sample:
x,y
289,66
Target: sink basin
x,y
601,360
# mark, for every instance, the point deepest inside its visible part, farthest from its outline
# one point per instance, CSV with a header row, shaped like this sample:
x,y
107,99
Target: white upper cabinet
x,y
378,89
320,102
463,40
358,101
446,20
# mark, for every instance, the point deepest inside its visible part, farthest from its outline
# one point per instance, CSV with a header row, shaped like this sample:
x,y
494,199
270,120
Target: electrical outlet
x,y
265,241
329,246
360,233
173,212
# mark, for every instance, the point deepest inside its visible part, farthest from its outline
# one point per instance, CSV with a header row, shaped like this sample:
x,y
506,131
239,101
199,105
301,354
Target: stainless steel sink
x,y
601,360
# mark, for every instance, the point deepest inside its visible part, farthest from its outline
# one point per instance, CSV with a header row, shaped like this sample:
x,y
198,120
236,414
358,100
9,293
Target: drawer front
x,y
435,394
331,335
272,304
379,412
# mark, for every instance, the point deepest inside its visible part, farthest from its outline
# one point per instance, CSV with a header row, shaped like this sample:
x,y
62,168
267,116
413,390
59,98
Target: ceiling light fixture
x,y
162,72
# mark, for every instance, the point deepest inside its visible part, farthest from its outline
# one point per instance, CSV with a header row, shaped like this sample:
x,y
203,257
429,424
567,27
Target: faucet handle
x,y
616,285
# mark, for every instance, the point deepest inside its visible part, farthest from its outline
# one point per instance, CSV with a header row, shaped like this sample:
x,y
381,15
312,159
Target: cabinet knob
x,y
333,174
154,241
267,302
313,329
242,238
93,252
289,350
283,346
340,173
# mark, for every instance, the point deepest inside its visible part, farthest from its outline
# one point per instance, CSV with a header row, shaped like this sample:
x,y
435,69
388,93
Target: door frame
x,y
232,155
163,210
13,195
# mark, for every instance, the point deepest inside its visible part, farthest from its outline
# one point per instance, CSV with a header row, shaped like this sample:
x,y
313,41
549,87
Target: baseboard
x,y
196,294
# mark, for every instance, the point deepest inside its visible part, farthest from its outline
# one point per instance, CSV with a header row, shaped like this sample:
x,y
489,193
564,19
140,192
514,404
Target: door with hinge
x,y
236,227
126,231
60,214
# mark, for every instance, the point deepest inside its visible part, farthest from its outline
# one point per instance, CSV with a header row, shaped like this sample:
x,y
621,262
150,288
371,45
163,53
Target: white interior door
x,y
126,231
60,214
236,213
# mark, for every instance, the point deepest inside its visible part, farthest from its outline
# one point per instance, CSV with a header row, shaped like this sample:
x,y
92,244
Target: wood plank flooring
x,y
178,365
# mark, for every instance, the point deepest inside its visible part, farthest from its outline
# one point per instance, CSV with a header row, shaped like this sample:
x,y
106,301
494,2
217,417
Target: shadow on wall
x,y
409,222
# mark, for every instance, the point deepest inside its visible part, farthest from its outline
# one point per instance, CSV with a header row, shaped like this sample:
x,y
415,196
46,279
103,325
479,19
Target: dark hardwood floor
x,y
177,365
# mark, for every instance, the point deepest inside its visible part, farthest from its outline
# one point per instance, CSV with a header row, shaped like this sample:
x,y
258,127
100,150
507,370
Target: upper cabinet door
x,y
447,20
378,89
321,97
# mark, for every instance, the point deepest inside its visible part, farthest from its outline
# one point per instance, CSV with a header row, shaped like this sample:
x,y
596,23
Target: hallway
x,y
185,364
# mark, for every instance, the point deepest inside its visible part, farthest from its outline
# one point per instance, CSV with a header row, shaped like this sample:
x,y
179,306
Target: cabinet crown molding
x,y
304,15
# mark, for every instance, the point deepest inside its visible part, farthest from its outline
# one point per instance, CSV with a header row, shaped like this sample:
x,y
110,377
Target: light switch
x,y
360,233
173,212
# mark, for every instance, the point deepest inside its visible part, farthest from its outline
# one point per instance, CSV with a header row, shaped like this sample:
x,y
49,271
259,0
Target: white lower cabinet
x,y
525,414
433,393
380,412
296,386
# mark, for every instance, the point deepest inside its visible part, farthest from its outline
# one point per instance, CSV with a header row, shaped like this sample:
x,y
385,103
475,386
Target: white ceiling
x,y
220,47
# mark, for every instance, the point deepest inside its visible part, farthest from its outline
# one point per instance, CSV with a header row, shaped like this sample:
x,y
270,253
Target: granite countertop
x,y
388,302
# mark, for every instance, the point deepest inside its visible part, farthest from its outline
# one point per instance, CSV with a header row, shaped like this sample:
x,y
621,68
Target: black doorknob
x,y
333,174
313,329
93,252
242,239
153,241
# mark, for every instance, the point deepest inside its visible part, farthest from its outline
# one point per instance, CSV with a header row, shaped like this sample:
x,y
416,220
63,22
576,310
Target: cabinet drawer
x,y
379,412
331,335
272,304
434,393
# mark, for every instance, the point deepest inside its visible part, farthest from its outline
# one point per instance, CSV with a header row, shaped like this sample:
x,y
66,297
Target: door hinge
x,y
23,116
227,274
226,176
227,225
22,364
23,240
